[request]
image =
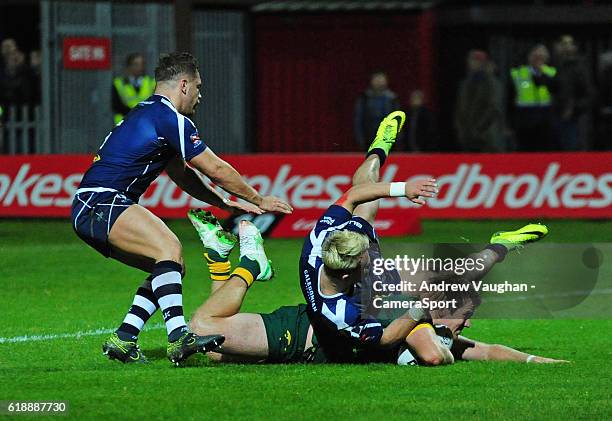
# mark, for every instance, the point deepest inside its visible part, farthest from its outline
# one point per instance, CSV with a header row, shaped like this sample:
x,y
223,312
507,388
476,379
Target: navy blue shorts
x,y
93,216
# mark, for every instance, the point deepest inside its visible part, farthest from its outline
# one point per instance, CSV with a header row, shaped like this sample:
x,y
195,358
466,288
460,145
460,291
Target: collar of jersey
x,y
163,96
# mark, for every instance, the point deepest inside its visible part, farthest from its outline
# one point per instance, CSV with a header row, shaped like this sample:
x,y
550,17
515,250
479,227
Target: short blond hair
x,y
342,250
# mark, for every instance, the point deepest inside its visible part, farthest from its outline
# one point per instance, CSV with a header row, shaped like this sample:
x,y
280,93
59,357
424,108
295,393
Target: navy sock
x,y
381,155
499,249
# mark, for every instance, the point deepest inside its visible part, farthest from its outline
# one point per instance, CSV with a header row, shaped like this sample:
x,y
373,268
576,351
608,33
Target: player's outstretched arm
x,y
191,182
492,352
230,180
398,329
415,191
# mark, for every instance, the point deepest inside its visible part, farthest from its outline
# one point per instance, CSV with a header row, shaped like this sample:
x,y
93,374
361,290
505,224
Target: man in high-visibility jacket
x,y
533,87
132,88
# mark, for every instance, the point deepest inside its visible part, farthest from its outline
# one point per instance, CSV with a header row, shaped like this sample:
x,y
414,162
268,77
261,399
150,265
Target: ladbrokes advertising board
x,y
555,185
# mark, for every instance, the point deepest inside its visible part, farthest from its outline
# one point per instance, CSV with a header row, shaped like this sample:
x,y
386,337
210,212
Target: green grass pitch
x,y
53,284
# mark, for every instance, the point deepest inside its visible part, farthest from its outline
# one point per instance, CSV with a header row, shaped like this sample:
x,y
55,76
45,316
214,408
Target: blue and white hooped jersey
x,y
338,320
140,147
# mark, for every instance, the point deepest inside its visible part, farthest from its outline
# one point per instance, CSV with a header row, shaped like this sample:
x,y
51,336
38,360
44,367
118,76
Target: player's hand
x,y
417,190
238,208
274,204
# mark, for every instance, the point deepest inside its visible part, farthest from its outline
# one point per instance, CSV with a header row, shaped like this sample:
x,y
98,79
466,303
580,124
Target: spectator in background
x,y
604,103
132,88
478,111
573,98
371,107
8,46
35,76
532,87
15,86
420,135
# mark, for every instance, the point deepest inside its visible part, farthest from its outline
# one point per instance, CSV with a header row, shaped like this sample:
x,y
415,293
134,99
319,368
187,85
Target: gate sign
x,y
87,53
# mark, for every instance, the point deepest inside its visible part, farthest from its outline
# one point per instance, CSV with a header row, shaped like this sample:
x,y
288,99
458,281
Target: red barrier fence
x,y
557,185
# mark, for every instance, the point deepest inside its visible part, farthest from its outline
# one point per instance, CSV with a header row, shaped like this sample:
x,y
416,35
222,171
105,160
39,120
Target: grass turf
x,y
53,284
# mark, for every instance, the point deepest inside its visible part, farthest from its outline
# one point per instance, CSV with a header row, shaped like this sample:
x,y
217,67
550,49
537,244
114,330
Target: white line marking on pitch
x,y
106,331
75,335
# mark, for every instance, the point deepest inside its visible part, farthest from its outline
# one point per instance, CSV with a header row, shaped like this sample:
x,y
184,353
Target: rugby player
x,y
345,335
286,335
156,135
335,258
346,314
334,273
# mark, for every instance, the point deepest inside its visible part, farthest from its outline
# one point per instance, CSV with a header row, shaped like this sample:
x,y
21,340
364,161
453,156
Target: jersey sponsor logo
x,y
310,296
306,224
357,224
195,140
328,220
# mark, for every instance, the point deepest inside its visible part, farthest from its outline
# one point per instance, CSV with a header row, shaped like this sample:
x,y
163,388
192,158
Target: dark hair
x,y
172,65
131,57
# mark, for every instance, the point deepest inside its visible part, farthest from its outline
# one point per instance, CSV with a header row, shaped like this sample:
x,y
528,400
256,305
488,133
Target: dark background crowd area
x,y
566,104
473,106
20,82
20,61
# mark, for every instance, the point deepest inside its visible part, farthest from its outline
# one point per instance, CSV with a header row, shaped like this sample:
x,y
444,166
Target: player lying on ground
x,y
335,278
285,335
329,322
156,135
345,333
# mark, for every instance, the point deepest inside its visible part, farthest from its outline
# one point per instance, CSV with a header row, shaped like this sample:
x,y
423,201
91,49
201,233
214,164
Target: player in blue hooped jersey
x,y
335,260
157,135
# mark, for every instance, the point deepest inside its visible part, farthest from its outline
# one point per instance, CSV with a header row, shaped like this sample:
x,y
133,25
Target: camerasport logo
x,y
471,186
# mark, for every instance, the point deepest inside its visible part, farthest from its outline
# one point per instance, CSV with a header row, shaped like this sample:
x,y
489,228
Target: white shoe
x,y
251,246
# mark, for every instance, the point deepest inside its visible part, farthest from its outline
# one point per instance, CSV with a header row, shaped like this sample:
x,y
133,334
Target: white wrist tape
x,y
530,358
397,190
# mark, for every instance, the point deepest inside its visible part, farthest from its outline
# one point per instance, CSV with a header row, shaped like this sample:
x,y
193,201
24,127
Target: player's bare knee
x,y
171,249
176,252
